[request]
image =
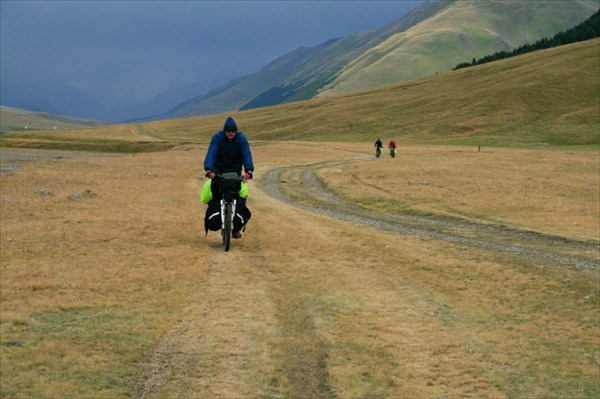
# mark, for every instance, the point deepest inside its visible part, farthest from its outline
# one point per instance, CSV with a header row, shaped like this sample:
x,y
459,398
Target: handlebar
x,y
232,176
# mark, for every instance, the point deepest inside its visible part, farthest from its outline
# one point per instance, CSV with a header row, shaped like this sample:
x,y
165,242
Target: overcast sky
x,y
136,49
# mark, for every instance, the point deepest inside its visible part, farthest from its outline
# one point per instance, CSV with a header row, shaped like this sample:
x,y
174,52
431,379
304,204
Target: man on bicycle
x,y
392,148
228,151
378,146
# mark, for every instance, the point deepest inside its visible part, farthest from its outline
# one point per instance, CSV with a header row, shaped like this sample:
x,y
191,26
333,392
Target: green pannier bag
x,y
244,190
206,193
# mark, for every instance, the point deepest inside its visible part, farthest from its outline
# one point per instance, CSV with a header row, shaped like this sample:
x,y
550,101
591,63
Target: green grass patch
x,y
110,146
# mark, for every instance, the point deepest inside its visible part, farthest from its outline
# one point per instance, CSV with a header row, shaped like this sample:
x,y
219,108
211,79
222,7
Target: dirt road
x,y
303,186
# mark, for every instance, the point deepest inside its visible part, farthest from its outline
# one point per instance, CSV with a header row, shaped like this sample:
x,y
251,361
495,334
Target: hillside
x,y
236,93
433,37
299,74
462,31
310,75
12,119
548,97
587,30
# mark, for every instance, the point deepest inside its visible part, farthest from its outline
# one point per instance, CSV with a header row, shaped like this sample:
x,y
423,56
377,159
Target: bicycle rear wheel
x,y
227,227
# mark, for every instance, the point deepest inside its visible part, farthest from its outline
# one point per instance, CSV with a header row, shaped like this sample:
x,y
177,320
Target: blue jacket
x,y
226,155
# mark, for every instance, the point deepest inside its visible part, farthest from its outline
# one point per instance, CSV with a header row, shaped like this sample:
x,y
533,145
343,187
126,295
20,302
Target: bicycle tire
x,y
227,227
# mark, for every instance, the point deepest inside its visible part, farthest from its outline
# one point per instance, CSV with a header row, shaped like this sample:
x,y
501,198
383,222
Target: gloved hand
x,y
248,176
210,174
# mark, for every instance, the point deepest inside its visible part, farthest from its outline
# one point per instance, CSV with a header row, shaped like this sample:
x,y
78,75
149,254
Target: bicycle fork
x,y
224,203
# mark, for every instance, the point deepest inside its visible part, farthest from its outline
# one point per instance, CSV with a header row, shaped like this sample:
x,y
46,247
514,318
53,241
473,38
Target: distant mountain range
x,y
432,38
55,97
15,119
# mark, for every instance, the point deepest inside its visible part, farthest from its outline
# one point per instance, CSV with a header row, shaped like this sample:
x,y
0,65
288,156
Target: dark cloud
x,y
132,50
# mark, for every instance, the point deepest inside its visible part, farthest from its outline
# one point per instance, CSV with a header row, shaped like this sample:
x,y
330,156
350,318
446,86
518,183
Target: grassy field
x,y
110,288
525,189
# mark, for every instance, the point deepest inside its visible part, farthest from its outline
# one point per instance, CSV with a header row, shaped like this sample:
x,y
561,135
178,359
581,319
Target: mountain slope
x,y
38,94
546,97
12,119
460,32
238,92
297,71
314,72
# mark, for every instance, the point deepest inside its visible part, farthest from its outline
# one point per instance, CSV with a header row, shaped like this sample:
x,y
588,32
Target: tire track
x,y
305,190
248,333
217,346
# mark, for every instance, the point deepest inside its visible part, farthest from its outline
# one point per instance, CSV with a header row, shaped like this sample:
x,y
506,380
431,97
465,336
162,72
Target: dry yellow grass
x,y
89,261
110,289
550,191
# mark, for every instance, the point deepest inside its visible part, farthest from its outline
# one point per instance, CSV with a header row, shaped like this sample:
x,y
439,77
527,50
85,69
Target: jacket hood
x,y
230,122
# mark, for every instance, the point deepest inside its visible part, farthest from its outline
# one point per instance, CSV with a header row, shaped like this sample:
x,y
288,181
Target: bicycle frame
x,y
228,205
224,204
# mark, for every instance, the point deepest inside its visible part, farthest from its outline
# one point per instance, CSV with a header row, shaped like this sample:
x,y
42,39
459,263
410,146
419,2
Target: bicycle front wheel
x,y
227,227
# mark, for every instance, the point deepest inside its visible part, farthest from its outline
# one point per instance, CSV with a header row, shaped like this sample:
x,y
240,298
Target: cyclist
x,y
228,151
392,147
378,146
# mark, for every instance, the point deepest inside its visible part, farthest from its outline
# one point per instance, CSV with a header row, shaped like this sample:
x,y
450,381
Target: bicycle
x,y
229,186
378,152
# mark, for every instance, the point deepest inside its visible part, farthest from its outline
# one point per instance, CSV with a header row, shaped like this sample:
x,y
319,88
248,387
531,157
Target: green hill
x,y
588,29
14,119
462,31
547,97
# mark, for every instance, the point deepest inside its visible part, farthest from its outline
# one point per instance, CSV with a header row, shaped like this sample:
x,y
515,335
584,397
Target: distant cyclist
x,y
229,151
392,145
392,148
378,146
